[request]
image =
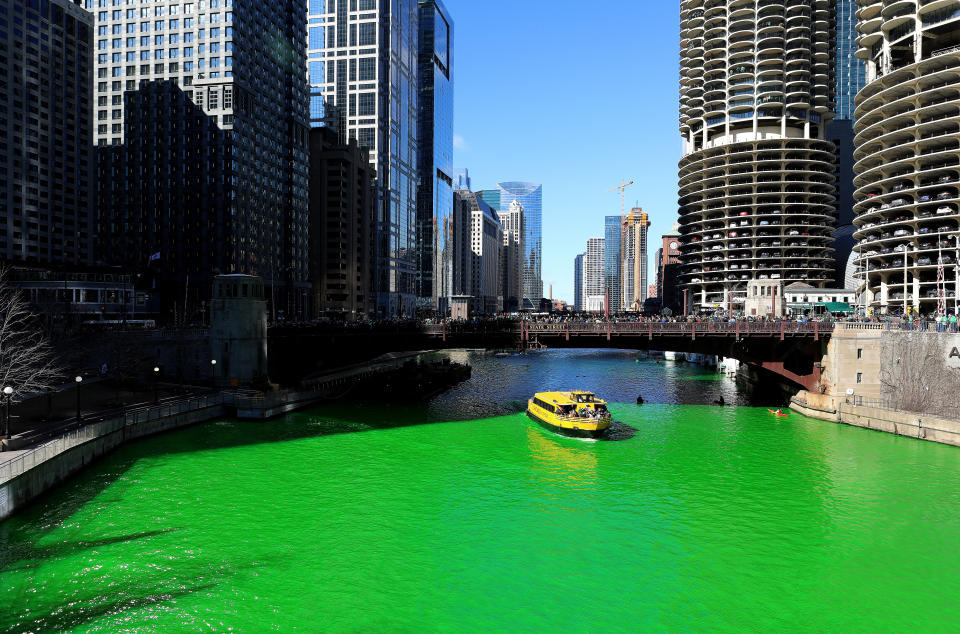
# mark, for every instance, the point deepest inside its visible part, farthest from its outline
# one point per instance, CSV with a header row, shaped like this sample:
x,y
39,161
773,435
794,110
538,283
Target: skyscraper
x,y
756,189
492,198
907,174
341,215
851,77
363,66
486,243
634,261
477,244
851,71
530,195
461,179
593,275
578,282
47,166
202,124
435,135
613,262
511,259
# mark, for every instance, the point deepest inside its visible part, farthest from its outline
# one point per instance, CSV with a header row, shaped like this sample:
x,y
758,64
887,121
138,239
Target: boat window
x,y
544,405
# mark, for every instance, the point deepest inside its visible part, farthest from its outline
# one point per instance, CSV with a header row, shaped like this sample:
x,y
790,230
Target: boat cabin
x,y
583,397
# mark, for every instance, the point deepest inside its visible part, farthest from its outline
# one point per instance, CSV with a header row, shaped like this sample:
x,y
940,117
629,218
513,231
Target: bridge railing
x,y
685,328
743,328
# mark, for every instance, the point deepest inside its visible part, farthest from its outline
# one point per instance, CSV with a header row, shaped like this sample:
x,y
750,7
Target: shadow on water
x,y
20,552
619,431
85,610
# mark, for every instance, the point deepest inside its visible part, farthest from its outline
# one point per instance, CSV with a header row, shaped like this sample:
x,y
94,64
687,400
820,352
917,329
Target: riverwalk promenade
x,y
33,462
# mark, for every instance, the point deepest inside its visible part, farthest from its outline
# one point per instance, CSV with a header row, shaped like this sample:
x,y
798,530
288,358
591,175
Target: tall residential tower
x,y
593,275
756,179
578,282
47,163
633,244
202,124
513,222
907,165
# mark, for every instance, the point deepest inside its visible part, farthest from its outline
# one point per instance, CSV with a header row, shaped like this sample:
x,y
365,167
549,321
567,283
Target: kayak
x,y
776,413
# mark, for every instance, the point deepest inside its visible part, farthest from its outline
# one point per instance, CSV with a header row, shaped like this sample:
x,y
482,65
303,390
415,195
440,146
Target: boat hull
x,y
566,431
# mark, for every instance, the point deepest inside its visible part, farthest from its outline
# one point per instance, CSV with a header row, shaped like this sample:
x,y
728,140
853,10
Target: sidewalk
x,y
96,395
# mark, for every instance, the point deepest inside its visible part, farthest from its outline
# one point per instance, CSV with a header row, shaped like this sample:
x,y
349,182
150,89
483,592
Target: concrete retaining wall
x,y
29,485
836,409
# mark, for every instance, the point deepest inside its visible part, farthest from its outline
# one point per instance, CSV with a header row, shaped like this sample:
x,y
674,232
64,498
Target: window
x,y
859,377
365,105
367,68
859,353
368,34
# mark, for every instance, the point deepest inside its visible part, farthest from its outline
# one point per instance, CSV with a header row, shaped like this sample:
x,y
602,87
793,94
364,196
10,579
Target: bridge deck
x,y
650,329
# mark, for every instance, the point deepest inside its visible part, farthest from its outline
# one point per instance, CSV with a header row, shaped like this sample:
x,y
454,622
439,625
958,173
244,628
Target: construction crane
x,y
623,196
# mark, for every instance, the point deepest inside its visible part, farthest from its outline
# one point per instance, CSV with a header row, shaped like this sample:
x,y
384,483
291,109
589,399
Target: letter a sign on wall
x,y
953,352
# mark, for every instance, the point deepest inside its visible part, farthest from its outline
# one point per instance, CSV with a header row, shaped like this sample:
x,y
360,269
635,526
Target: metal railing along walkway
x,y
60,438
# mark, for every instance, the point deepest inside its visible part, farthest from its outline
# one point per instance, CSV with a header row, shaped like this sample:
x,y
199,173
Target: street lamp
x,y
156,383
78,379
213,372
8,392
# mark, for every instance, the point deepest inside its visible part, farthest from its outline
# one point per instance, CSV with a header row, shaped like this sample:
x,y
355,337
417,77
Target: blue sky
x,y
574,95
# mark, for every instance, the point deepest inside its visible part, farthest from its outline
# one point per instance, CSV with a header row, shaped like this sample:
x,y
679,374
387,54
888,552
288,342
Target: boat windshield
x,y
583,398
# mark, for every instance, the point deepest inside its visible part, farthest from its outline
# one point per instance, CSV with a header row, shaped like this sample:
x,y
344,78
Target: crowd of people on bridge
x,y
943,323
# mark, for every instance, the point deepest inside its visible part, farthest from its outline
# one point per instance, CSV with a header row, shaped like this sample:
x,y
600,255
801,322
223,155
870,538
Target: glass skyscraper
x,y
530,195
362,62
612,278
435,131
492,198
851,72
578,282
851,77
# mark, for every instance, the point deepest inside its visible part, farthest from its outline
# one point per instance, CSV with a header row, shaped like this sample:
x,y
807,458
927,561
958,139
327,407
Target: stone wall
x,y
915,425
917,371
853,360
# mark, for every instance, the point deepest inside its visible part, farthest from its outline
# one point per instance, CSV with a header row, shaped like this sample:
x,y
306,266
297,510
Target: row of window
x,y
188,7
160,25
363,34
131,42
158,40
330,6
131,71
361,69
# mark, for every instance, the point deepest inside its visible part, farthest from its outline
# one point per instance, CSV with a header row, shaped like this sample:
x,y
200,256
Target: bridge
x,y
791,350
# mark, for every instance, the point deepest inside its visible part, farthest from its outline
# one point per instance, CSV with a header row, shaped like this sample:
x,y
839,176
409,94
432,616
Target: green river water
x,y
461,515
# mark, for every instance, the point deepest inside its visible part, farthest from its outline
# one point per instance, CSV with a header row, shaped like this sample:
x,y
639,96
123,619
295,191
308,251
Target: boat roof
x,y
567,398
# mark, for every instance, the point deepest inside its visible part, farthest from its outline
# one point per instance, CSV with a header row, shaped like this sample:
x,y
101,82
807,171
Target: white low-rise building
x,y
803,299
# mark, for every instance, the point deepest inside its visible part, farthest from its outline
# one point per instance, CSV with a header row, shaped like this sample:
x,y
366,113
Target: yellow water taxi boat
x,y
578,413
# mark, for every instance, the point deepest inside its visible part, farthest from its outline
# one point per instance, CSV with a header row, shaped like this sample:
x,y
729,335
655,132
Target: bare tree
x,y
28,362
914,377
